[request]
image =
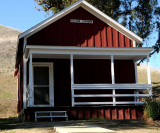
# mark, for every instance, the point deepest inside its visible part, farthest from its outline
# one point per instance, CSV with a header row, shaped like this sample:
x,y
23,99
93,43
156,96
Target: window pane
x,y
41,95
41,75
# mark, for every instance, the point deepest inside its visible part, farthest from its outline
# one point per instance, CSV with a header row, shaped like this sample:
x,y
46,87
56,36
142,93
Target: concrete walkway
x,y
82,129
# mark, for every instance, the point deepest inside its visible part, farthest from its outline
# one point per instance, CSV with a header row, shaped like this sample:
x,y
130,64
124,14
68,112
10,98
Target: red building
x,y
83,62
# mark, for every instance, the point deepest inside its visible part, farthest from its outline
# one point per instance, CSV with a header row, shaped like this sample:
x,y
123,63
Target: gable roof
x,y
91,9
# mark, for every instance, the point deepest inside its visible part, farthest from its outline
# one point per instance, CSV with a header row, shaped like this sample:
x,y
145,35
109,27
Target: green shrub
x,y
152,107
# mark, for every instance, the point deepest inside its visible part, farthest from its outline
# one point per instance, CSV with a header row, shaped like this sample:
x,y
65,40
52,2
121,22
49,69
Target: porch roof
x,y
62,52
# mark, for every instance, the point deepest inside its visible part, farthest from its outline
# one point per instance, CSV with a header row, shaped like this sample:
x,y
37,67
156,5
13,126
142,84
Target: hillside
x,y
8,94
8,85
155,78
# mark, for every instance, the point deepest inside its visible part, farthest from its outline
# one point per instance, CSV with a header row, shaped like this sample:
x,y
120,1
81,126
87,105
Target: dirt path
x,y
48,127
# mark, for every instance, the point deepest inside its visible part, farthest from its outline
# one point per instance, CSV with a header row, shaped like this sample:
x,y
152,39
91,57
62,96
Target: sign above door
x,y
81,21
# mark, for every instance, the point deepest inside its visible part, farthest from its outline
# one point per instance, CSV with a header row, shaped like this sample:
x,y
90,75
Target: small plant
x,y
152,107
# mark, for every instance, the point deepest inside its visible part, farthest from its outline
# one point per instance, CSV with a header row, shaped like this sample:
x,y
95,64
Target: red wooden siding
x,y
108,113
103,112
64,33
21,83
114,113
124,71
92,71
20,74
18,102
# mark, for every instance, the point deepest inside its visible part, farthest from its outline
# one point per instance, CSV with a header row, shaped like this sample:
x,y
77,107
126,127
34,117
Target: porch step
x,y
51,114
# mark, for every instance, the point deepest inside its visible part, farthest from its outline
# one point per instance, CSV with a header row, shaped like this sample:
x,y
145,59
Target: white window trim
x,y
51,82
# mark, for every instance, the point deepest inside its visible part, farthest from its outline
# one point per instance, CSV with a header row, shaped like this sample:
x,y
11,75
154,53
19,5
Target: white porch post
x,y
72,77
136,99
112,69
30,81
136,74
24,81
148,71
149,75
113,79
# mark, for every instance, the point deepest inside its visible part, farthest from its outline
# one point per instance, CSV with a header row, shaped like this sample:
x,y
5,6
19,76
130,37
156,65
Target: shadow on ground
x,y
108,124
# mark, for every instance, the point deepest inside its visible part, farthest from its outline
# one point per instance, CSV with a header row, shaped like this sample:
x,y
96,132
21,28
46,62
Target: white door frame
x,y
51,82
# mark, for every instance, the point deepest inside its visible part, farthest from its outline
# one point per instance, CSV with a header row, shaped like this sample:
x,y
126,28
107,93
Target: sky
x,y
22,15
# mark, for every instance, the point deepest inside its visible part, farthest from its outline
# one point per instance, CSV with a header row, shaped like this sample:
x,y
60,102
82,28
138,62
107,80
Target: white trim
x,y
112,69
72,78
88,48
112,86
30,81
136,74
116,95
148,71
150,92
51,80
89,8
24,81
25,42
136,95
104,103
136,53
74,52
72,69
134,43
113,78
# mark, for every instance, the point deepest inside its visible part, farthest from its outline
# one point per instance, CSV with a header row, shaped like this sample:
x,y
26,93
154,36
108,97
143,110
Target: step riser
x,y
51,114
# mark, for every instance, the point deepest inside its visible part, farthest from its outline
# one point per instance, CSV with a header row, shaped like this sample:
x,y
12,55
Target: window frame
x,y
51,82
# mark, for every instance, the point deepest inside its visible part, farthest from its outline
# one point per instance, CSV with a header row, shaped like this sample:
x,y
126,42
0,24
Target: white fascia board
x,y
74,52
108,20
146,49
87,52
134,53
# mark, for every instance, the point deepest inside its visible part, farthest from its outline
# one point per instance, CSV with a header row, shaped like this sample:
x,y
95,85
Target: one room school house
x,y
81,62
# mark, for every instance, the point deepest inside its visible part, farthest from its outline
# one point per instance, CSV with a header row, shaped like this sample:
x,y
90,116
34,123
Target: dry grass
x,y
8,92
8,42
155,78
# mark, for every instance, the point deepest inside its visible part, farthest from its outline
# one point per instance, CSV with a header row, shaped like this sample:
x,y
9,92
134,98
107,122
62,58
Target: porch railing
x,y
135,87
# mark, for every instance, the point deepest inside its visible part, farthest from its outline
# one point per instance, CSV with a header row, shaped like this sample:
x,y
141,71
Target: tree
x,y
140,16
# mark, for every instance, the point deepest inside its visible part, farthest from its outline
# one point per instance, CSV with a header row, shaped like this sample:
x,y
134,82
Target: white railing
x,y
136,87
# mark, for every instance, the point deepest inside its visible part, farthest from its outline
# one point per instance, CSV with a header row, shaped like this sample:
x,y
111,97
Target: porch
x,y
89,93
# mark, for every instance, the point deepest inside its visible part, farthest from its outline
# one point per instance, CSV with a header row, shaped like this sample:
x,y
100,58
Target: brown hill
x,y
8,85
8,42
8,90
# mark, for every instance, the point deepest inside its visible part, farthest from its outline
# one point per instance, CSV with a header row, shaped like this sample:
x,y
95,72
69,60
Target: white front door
x,y
43,84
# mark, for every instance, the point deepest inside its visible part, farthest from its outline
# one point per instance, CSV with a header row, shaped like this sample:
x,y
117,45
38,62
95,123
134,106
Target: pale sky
x,y
22,15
